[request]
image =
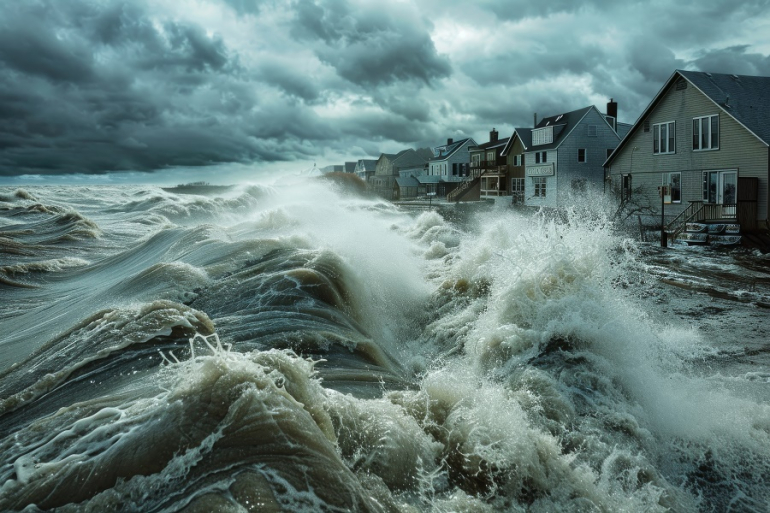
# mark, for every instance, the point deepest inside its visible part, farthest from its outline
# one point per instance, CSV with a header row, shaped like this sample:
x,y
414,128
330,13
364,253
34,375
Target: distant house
x,y
350,167
333,168
365,168
405,188
488,163
413,162
518,144
385,174
705,138
566,154
450,164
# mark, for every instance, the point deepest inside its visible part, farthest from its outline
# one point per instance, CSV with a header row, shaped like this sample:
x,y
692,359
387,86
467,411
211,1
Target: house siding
x,y
550,199
592,170
443,167
738,149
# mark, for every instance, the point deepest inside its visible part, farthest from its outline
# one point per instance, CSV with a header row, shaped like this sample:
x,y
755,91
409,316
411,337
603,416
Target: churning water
x,y
294,348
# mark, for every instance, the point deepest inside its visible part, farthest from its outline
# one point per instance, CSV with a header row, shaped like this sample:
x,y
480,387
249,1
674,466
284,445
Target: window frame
x,y
657,140
699,120
666,179
540,184
626,186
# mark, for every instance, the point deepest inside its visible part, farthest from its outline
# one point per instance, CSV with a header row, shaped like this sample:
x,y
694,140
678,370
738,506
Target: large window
x,y
674,182
705,133
663,138
539,182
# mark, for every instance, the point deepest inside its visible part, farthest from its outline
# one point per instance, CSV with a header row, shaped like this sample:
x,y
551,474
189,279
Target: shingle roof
x,y
563,125
524,135
490,144
450,149
407,181
412,158
745,98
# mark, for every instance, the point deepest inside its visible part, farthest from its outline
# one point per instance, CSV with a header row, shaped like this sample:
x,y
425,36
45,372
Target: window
x,y
705,133
581,154
663,138
592,130
491,157
537,157
625,189
545,156
454,168
542,136
476,159
539,182
674,182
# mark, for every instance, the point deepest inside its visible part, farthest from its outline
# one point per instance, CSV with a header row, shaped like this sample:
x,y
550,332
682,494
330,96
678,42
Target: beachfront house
x,y
450,165
365,169
385,173
514,150
488,163
566,154
699,152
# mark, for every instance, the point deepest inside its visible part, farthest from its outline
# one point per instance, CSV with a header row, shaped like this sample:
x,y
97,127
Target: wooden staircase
x,y
465,185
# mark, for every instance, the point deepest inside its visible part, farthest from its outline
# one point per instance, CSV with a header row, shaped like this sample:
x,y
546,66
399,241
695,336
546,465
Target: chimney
x,y
533,126
449,141
493,135
612,108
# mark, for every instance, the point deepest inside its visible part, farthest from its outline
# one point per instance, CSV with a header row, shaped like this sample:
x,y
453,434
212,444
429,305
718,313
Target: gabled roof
x,y
563,125
744,98
447,150
523,134
369,164
491,144
407,181
412,158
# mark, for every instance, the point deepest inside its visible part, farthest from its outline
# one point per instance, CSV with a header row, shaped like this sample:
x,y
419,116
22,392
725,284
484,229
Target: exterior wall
x,y
591,172
551,180
515,171
460,156
738,149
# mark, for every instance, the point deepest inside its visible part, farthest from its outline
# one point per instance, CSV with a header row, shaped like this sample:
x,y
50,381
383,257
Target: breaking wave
x,y
296,348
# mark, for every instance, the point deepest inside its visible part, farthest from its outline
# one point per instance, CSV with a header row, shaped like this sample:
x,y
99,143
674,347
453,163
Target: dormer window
x,y
542,136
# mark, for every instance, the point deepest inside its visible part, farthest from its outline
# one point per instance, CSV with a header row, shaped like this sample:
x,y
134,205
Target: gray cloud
x,y
734,59
377,45
93,86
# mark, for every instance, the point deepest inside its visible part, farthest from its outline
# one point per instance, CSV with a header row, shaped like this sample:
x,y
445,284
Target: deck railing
x,y
697,211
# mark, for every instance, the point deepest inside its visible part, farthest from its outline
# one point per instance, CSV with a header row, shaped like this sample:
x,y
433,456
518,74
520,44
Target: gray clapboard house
x,y
566,154
705,137
449,166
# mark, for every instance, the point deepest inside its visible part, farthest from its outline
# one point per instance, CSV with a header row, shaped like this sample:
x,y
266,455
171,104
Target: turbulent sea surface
x,y
294,348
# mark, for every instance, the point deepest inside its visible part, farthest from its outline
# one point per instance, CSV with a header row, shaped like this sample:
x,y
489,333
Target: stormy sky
x,y
90,87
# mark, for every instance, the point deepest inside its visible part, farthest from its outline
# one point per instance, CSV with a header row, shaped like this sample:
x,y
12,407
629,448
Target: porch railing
x,y
697,211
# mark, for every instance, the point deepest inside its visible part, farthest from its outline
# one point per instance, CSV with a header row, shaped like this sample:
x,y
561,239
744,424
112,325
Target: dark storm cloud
x,y
91,88
735,59
379,44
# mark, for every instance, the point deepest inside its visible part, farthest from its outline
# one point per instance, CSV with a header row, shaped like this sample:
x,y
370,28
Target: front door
x,y
727,192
